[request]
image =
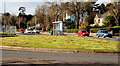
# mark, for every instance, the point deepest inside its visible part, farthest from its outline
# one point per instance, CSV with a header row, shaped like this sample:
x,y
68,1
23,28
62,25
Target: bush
x,y
7,34
94,30
72,30
116,34
116,27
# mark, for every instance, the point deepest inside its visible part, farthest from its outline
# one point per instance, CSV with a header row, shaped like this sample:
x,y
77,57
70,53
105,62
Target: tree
x,y
6,17
101,8
89,19
115,8
109,21
13,20
22,17
41,13
29,17
55,11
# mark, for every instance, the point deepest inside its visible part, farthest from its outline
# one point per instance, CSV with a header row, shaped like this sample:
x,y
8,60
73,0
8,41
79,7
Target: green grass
x,y
61,42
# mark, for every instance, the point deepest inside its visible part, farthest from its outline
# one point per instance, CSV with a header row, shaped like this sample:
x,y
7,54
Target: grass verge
x,y
61,42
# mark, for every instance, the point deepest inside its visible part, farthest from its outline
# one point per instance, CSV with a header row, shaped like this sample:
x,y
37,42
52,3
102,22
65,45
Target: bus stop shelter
x,y
58,27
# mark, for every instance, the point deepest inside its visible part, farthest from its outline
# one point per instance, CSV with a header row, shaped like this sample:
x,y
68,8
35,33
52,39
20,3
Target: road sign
x,y
73,18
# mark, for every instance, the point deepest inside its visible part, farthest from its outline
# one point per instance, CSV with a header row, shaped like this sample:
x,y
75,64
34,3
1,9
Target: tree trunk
x,y
77,23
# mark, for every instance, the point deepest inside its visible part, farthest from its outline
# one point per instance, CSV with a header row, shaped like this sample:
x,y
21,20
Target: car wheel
x,y
103,36
110,36
81,34
98,36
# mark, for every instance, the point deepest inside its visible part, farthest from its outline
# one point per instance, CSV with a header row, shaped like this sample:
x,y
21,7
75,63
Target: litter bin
x,y
51,32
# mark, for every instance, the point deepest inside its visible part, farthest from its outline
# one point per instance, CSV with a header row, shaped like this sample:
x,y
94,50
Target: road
x,y
69,57
113,39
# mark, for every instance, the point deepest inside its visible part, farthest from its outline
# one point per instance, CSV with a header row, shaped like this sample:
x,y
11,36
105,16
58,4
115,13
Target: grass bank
x,y
61,42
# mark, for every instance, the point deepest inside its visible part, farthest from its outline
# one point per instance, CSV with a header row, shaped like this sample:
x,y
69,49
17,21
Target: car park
x,y
83,33
28,31
21,31
103,33
36,31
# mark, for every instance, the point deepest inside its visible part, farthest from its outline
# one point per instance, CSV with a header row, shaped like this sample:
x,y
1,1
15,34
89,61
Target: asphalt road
x,y
113,39
85,58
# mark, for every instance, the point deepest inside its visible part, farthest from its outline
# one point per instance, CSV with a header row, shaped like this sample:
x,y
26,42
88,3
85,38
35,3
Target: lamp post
x,y
19,22
35,20
5,15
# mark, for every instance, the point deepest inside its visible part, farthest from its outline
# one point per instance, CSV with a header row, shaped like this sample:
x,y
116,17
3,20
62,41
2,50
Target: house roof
x,y
100,15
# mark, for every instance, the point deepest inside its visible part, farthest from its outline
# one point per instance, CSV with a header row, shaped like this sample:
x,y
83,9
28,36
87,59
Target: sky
x,y
12,6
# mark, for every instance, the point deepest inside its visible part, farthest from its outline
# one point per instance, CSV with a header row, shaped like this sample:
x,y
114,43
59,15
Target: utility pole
x,y
19,22
35,20
46,17
5,15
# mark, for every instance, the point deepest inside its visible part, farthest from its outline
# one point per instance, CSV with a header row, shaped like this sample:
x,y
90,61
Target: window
x,y
84,31
80,31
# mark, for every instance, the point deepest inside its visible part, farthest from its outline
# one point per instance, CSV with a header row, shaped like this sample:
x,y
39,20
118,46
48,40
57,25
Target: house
x,y
99,18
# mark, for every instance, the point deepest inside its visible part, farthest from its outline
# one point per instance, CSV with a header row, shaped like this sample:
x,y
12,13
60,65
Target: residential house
x,y
99,19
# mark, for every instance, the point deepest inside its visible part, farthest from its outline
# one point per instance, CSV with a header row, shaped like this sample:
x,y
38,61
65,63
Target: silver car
x,y
36,31
28,31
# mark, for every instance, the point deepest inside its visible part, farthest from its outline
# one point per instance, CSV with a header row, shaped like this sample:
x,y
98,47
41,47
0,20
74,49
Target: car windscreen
x,y
84,31
29,29
104,31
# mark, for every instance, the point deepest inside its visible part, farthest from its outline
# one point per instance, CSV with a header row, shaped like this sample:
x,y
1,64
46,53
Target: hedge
x,y
115,29
94,30
7,34
71,30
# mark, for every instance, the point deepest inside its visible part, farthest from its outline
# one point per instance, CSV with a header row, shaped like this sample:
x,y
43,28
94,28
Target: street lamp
x,y
35,20
5,15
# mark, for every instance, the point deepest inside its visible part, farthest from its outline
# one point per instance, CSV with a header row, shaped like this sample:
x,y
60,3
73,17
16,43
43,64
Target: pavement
x,y
38,57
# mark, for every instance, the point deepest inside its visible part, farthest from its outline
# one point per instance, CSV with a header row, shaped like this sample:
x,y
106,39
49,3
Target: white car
x,y
28,31
36,31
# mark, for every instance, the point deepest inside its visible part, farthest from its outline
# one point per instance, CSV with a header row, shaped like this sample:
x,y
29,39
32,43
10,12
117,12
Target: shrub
x,y
72,30
116,34
94,30
116,27
7,34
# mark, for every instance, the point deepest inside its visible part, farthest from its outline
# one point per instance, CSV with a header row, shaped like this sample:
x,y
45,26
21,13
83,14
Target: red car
x,y
21,31
83,33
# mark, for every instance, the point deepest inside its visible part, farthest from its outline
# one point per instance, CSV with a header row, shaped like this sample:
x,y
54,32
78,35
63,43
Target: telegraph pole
x,y
19,22
35,20
5,15
46,17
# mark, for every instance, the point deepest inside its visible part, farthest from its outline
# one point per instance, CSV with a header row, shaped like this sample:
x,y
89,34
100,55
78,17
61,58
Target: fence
x,y
8,29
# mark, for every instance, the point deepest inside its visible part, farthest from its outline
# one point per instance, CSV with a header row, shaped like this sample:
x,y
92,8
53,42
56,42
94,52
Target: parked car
x,y
83,33
104,34
28,31
21,31
36,31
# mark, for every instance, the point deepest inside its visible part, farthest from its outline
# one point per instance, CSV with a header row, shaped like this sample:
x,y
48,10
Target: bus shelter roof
x,y
61,21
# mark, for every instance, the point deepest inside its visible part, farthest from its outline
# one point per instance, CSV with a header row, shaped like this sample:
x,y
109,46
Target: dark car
x,y
104,34
21,31
83,33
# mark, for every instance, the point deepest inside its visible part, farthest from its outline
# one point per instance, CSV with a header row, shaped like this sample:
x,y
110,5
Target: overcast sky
x,y
12,6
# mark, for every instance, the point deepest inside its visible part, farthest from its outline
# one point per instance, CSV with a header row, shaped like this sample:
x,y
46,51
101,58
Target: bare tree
x,y
41,12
